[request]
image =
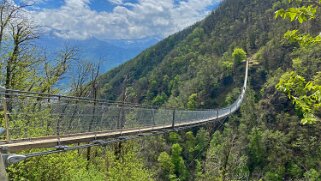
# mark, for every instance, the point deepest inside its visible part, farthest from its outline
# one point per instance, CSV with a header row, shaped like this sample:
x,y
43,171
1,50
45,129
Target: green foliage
x,y
197,60
167,166
312,175
159,100
304,40
173,166
64,166
178,162
224,159
190,142
228,65
194,69
86,175
295,171
305,95
202,140
174,137
199,171
232,96
256,149
239,55
300,14
128,168
192,101
185,160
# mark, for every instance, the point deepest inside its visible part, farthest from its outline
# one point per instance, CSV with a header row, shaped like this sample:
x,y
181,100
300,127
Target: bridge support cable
x,y
38,120
9,159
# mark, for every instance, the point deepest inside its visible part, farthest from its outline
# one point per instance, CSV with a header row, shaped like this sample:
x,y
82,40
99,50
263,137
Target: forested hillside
x,y
266,139
197,68
197,60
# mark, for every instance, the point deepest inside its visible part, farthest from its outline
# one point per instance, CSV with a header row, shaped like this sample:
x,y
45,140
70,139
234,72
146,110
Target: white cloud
x,y
118,2
147,18
32,2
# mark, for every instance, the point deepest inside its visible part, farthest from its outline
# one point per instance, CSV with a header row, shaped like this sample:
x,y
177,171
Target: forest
x,y
274,136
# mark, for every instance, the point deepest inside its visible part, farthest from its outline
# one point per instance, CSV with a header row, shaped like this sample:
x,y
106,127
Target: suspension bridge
x,y
37,120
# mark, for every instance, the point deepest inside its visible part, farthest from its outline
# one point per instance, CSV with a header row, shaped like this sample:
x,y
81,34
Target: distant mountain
x,y
112,52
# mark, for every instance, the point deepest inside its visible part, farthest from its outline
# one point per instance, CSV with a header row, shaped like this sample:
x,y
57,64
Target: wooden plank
x,y
19,145
47,142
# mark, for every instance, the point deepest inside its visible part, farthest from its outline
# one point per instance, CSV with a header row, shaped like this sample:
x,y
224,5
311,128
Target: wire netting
x,y
33,115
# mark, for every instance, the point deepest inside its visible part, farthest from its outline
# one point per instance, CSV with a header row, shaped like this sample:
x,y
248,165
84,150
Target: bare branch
x,y
8,12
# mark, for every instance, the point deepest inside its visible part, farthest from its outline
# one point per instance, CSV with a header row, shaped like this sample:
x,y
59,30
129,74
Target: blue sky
x,y
111,32
106,20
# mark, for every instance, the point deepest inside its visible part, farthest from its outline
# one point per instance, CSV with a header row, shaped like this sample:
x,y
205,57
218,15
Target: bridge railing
x,y
26,115
35,116
31,116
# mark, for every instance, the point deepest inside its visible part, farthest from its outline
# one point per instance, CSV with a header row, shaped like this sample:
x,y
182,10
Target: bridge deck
x,y
47,142
64,115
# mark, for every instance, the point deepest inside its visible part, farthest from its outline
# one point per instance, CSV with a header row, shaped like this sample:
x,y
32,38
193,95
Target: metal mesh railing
x,y
31,115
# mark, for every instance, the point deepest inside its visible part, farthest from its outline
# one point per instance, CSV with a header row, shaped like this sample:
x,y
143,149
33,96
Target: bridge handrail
x,y
62,119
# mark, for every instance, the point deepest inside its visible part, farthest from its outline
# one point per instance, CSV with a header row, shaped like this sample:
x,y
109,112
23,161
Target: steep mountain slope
x,y
193,69
192,61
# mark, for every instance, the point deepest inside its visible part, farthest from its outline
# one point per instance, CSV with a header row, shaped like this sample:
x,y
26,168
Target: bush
x,y
238,55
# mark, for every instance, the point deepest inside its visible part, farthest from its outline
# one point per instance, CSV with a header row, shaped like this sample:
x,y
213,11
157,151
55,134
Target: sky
x,y
106,20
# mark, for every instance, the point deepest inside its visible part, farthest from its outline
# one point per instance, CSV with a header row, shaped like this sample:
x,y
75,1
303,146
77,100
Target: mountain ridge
x,y
206,41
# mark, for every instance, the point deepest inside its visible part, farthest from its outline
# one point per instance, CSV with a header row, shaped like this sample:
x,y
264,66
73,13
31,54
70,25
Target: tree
x,y
128,168
305,94
159,99
192,101
174,137
224,157
18,63
8,12
202,140
238,55
178,162
54,71
167,166
64,166
189,146
80,83
22,66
